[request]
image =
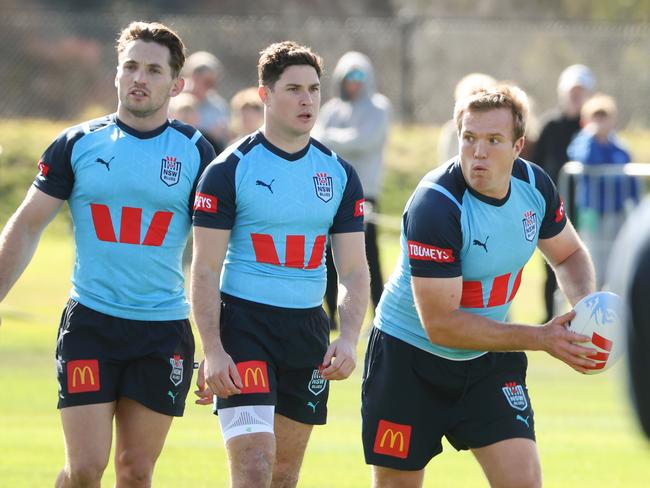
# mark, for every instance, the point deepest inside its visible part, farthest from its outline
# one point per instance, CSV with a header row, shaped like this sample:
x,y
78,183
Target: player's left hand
x,y
203,391
340,360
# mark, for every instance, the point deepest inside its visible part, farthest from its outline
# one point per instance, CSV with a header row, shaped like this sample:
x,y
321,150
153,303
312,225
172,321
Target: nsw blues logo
x,y
317,383
516,395
323,186
530,225
170,171
176,375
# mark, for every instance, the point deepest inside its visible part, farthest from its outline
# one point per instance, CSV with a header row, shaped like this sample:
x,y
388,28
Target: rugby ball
x,y
600,316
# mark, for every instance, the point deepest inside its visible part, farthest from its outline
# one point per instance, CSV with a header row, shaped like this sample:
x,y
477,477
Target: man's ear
x,y
263,92
178,86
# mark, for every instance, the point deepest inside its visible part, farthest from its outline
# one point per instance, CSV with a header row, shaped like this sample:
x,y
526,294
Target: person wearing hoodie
x,y
354,124
574,87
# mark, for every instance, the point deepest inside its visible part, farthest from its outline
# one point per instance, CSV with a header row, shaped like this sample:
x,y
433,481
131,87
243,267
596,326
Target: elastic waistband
x,y
269,308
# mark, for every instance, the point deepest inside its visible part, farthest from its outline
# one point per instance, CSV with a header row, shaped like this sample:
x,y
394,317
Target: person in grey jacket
x,y
354,124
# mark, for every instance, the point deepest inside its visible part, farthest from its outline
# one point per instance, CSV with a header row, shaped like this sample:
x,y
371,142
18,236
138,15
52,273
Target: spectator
x,y
247,112
203,72
354,124
185,107
601,201
448,138
575,86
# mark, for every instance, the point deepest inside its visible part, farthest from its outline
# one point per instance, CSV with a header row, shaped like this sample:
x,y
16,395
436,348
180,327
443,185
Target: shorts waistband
x,y
269,308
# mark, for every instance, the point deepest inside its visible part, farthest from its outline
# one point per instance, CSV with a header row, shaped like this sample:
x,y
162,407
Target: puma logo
x,y
524,420
476,242
313,406
105,163
169,393
267,185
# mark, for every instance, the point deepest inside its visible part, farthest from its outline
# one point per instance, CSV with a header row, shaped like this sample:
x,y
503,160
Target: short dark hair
x,y
503,96
158,33
279,56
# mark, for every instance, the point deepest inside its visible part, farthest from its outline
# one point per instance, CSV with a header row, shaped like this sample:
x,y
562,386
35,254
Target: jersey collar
x,y
140,134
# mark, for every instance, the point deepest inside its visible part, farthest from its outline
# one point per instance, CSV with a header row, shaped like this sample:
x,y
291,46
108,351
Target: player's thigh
x,y
498,459
140,433
88,433
393,478
291,440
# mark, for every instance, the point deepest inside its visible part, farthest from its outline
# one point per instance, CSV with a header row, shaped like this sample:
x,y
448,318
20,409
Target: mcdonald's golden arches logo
x,y
393,439
83,375
254,376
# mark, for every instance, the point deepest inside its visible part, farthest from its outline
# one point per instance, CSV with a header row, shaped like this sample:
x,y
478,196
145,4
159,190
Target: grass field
x,y
586,432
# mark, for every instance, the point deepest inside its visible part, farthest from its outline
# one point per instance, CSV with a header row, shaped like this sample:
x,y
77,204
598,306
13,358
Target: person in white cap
x,y
575,85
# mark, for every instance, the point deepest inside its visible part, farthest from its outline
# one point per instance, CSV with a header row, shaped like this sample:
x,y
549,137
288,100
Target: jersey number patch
x,y
266,252
130,225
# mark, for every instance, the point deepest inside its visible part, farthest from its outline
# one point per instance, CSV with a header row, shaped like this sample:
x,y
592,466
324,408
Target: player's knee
x,y
285,475
253,467
85,473
525,476
132,471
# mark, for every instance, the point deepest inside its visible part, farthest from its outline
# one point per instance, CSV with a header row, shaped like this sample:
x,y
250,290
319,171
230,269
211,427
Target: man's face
x,y
573,100
487,151
144,79
292,105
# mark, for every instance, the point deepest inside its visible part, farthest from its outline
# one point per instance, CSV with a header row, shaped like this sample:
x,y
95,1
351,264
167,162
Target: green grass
x,y
586,432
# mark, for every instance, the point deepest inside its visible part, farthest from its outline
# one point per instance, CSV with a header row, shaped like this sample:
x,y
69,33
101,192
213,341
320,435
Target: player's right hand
x,y
221,374
559,342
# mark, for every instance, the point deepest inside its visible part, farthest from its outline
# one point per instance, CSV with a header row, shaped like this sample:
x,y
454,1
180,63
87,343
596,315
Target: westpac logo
x,y
426,252
254,376
358,208
393,439
83,375
205,203
130,225
294,255
170,171
559,213
43,168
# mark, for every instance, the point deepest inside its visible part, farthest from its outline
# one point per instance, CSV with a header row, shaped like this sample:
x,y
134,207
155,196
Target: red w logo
x,y
265,251
130,225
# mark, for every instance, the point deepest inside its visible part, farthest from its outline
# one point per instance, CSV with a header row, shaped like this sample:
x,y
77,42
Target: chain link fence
x,y
58,65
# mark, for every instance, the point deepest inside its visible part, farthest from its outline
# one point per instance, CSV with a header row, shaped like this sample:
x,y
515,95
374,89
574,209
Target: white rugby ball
x,y
600,317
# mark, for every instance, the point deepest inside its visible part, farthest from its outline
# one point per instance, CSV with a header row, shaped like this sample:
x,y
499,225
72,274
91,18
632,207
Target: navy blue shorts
x,y
412,398
278,353
101,358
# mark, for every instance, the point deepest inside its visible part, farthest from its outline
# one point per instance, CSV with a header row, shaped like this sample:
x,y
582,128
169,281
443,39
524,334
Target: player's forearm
x,y
206,307
462,330
18,243
576,275
354,290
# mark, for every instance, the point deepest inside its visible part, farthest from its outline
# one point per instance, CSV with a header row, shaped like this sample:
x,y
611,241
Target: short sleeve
x,y
433,234
555,216
214,200
349,217
55,176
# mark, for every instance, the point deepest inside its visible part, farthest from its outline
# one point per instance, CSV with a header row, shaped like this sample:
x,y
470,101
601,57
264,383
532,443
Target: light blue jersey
x,y
449,230
130,195
280,208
